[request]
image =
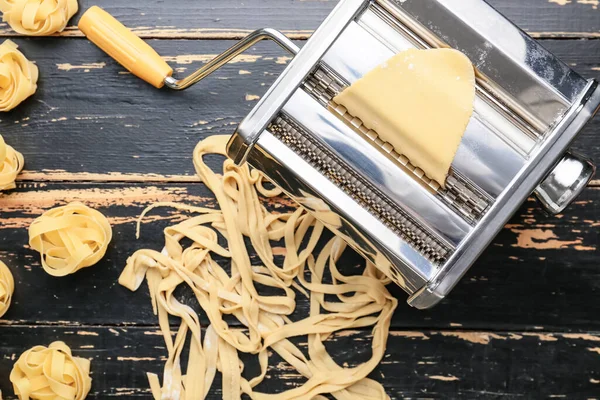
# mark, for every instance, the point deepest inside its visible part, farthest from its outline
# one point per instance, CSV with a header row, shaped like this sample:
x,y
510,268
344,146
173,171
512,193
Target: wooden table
x,y
522,324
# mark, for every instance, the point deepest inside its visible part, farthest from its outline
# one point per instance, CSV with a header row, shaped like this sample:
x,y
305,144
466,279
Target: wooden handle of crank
x,y
124,46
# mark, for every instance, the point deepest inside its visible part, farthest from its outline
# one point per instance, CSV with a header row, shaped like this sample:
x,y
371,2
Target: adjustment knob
x,y
565,183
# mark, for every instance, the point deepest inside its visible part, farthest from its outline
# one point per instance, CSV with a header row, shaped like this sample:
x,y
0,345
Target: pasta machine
x,y
529,107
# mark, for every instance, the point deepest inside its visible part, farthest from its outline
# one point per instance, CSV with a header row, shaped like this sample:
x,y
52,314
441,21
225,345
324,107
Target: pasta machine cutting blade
x,y
529,107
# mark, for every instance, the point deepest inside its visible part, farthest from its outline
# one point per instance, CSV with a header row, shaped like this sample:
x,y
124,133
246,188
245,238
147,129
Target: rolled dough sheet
x,y
419,101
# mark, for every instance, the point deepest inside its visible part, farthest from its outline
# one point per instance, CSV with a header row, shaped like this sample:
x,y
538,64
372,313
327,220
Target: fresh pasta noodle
x,y
18,76
38,17
51,373
12,164
7,287
70,238
362,300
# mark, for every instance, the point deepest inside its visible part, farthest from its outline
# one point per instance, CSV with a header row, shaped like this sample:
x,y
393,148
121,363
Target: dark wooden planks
x,y
91,123
86,109
432,365
298,18
540,274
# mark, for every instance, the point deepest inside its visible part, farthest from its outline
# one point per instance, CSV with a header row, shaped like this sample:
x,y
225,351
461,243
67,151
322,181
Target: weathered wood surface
x,y
540,274
417,365
91,107
522,324
228,19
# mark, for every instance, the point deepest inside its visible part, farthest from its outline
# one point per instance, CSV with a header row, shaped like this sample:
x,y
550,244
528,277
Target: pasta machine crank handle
x,y
143,61
232,52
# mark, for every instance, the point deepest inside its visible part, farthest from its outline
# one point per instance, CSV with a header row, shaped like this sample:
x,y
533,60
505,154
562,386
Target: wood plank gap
x,y
111,177
237,34
458,331
72,324
173,34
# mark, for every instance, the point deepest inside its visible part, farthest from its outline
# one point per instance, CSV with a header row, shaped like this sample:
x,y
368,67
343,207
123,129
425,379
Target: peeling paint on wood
x,y
411,335
449,378
475,337
84,67
583,336
543,239
87,333
543,337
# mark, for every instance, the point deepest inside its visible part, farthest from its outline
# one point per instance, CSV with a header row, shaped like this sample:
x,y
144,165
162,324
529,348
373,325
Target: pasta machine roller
x,y
528,109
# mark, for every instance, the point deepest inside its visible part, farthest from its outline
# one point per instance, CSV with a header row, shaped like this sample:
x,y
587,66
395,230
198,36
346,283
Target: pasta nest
x,y
7,287
11,164
51,373
38,17
70,238
18,76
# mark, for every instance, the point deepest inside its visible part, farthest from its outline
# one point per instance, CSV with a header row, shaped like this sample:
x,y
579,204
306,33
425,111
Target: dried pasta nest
x,y
51,373
11,165
70,238
18,76
7,287
38,17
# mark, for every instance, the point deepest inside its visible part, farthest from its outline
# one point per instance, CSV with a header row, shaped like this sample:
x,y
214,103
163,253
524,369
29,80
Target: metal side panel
x,y
340,213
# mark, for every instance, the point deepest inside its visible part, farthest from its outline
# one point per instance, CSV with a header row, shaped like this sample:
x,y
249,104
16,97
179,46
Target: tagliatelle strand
x,y
11,164
18,76
70,238
38,17
178,206
51,373
363,299
7,287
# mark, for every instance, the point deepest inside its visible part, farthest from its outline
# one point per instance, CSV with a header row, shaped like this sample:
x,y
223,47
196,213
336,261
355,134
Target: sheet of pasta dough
x,y
419,101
